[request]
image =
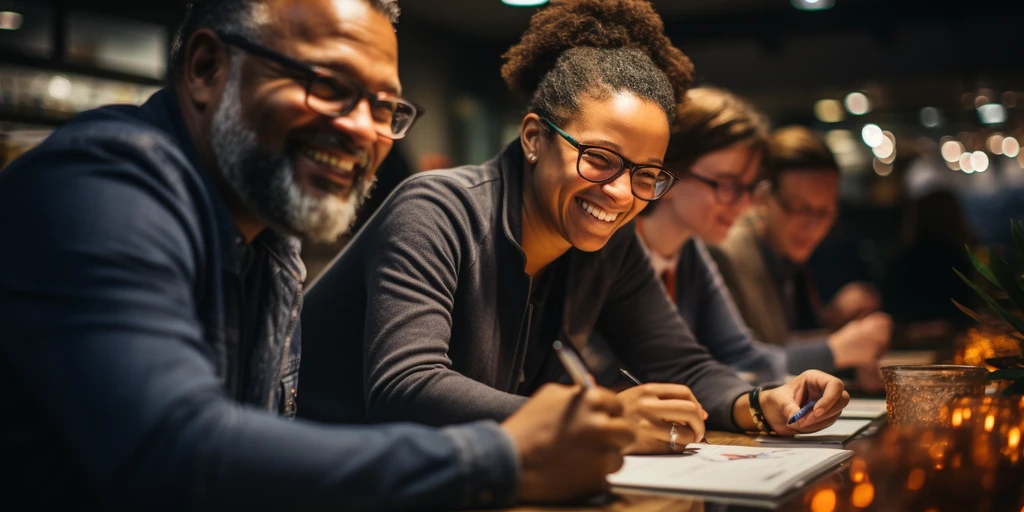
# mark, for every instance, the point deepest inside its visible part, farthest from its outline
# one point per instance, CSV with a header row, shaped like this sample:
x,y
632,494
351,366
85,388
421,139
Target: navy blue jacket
x,y
139,356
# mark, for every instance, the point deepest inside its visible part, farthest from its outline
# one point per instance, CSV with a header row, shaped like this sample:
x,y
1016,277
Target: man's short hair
x,y
796,148
236,17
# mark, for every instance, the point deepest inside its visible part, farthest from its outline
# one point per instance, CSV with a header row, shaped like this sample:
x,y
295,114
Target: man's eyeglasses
x,y
600,165
335,95
804,212
726,192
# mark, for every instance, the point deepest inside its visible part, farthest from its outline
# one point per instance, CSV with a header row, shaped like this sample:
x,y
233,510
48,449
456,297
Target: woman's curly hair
x,y
596,48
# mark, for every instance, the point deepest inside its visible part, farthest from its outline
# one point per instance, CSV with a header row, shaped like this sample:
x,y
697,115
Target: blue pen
x,y
802,412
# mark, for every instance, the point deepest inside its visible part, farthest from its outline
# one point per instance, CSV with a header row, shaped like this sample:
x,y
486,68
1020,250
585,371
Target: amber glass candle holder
x,y
921,395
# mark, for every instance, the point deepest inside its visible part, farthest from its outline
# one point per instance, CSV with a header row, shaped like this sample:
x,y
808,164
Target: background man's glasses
x,y
726,192
600,165
335,95
803,212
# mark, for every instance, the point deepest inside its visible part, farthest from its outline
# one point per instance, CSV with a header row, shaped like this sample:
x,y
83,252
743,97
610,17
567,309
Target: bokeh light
x,y
995,144
881,168
59,87
965,163
915,480
1011,147
951,150
979,161
885,148
823,501
992,113
857,103
829,111
872,135
930,117
863,494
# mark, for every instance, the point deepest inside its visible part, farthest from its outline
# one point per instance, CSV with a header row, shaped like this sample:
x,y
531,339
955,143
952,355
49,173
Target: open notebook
x,y
728,470
834,436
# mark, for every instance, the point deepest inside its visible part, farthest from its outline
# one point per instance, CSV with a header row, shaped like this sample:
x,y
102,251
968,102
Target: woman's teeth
x,y
336,164
597,212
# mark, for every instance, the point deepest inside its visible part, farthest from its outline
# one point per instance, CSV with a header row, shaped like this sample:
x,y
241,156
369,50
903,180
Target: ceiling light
x,y
812,5
524,3
992,113
10,20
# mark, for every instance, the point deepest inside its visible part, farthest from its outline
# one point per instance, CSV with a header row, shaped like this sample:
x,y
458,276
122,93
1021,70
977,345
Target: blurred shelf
x,y
34,117
68,67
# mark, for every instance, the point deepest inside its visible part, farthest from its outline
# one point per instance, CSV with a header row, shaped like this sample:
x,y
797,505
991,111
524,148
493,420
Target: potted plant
x,y
1008,278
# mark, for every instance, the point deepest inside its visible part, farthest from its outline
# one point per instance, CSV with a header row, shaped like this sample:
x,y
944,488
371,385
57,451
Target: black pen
x,y
637,382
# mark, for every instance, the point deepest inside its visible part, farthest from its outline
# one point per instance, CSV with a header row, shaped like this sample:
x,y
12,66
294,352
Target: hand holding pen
x,y
808,403
664,415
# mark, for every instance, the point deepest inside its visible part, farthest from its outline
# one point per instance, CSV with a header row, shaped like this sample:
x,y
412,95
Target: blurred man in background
x,y
763,260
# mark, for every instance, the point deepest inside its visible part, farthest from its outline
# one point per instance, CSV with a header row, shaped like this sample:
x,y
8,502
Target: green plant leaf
x,y
1017,232
1014,321
1001,329
1017,244
982,268
1006,374
1009,282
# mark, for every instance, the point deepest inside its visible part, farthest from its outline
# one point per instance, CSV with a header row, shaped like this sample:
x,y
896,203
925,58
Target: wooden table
x,y
893,469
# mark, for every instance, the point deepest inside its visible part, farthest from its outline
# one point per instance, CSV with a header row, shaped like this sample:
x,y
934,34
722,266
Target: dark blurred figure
x,y
920,283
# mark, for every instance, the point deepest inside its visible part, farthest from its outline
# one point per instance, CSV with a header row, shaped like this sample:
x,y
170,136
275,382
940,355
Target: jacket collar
x,y
510,162
162,110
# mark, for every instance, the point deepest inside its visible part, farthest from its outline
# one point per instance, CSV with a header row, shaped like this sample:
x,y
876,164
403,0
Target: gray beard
x,y
265,182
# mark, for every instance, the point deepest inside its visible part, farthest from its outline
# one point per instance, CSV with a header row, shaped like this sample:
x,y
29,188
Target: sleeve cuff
x,y
810,356
490,465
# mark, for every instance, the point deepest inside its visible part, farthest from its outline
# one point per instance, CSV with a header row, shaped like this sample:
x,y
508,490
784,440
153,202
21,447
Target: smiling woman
x,y
461,282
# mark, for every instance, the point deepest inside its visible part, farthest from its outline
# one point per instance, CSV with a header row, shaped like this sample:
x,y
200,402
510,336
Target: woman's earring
x,y
531,157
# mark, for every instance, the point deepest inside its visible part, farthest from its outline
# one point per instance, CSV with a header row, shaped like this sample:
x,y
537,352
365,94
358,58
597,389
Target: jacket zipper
x,y
524,324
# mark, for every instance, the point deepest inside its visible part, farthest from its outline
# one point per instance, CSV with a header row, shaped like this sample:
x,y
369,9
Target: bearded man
x,y
151,292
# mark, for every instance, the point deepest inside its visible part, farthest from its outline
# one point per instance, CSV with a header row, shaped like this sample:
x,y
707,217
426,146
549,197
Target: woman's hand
x,y
653,409
783,402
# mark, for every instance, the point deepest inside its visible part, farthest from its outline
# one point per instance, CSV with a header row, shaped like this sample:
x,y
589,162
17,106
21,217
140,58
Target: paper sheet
x,y
723,469
866,408
836,434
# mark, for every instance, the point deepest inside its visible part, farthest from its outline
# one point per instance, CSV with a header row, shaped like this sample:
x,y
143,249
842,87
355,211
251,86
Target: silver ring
x,y
672,435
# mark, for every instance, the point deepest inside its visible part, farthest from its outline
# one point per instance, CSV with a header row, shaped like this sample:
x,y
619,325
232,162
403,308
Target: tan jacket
x,y
745,273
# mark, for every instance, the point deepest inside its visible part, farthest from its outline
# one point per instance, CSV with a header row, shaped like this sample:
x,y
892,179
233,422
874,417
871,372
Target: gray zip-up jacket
x,y
435,283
